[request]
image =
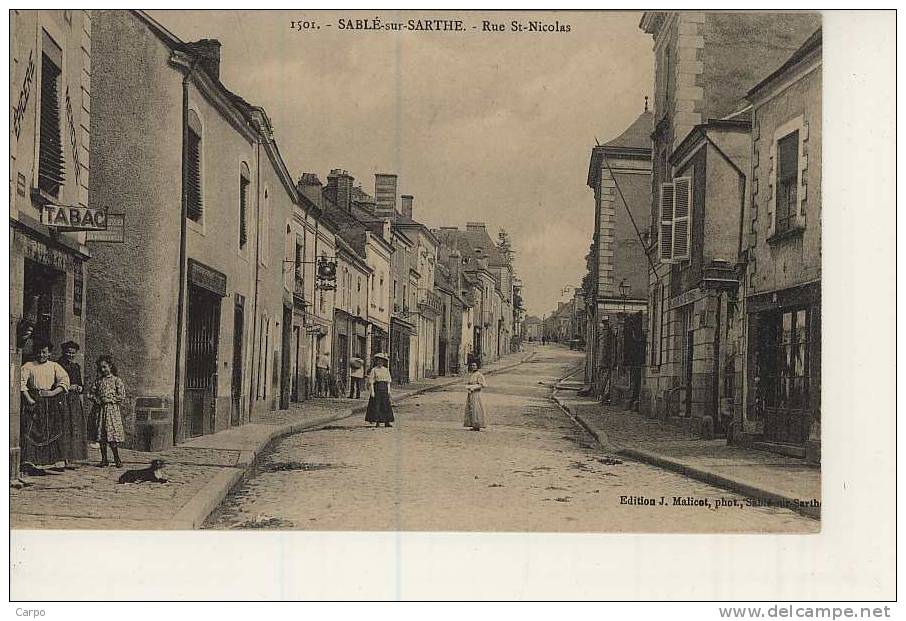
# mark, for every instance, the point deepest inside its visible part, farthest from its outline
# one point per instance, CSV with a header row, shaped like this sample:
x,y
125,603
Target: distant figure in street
x,y
379,407
43,385
356,377
109,393
75,427
475,418
322,374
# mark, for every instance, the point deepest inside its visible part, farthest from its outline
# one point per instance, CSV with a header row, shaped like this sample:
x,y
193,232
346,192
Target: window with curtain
x,y
787,181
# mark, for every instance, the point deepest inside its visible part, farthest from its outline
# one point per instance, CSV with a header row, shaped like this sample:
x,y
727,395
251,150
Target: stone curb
x,y
747,489
194,513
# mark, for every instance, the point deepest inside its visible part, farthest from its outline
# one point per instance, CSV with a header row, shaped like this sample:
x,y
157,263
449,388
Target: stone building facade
x,y
201,342
782,238
615,301
50,89
705,64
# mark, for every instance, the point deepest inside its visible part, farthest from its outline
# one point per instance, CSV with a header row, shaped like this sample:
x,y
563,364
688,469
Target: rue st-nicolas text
x,y
432,25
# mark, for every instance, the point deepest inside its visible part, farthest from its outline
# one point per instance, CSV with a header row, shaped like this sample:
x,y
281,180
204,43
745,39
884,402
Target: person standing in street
x,y
322,374
43,385
109,393
356,377
379,409
75,427
475,417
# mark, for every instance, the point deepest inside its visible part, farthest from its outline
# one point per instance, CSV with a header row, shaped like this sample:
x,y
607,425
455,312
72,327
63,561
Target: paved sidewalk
x,y
774,479
199,472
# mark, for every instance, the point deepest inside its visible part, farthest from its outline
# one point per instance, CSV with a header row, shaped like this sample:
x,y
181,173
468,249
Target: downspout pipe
x,y
255,327
187,67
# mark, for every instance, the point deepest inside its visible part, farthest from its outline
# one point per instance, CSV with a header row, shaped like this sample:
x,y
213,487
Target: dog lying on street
x,y
151,474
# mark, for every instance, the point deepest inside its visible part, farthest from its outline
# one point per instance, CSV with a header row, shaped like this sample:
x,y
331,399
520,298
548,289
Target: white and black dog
x,y
151,474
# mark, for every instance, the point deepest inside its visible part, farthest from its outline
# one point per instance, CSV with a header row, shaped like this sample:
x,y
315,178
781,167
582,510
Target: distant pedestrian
x,y
379,408
475,417
43,385
322,374
356,377
109,393
75,427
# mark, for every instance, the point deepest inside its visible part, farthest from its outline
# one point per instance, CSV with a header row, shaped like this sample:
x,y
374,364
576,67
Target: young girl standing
x,y
109,393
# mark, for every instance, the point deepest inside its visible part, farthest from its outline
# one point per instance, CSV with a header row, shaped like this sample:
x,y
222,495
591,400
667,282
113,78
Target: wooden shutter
x,y
194,207
682,217
243,210
666,233
51,165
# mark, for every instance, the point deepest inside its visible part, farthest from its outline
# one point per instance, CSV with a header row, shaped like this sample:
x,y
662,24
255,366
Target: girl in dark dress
x,y
379,408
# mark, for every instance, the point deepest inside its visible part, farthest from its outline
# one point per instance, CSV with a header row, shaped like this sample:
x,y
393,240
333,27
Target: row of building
x,y
702,302
152,217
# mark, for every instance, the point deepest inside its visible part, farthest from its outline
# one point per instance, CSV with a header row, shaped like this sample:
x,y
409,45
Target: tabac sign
x,y
74,218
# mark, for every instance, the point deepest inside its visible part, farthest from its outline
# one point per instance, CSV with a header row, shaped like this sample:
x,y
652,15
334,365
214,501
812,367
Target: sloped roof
x,y
468,240
637,135
812,43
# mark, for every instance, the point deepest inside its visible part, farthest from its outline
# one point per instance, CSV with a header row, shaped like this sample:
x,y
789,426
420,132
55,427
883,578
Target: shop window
x,y
51,165
194,203
787,181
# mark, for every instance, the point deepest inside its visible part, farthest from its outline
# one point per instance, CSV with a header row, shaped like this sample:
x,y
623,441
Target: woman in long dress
x,y
43,385
379,408
475,417
75,427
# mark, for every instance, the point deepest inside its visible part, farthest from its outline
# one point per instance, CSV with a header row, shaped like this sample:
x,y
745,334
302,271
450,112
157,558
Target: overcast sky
x,y
493,127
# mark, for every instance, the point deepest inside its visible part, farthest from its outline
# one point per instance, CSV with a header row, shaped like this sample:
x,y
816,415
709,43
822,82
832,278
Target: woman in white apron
x,y
475,418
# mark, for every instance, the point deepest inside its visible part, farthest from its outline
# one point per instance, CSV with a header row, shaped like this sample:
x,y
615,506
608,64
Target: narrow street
x,y
533,469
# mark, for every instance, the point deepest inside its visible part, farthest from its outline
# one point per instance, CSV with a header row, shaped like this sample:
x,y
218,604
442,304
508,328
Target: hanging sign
x,y
76,218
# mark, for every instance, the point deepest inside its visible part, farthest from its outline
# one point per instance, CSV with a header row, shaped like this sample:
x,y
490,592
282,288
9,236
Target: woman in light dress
x,y
379,408
475,417
44,385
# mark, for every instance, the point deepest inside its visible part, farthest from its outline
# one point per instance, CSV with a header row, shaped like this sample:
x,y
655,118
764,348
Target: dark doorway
x,y
236,386
297,353
202,336
43,290
688,356
285,357
442,357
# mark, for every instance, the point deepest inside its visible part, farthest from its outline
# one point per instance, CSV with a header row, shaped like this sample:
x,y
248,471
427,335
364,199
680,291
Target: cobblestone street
x,y
533,469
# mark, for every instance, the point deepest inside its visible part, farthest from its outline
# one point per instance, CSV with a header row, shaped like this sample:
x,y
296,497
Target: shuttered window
x,y
676,220
682,217
51,165
665,238
243,208
194,207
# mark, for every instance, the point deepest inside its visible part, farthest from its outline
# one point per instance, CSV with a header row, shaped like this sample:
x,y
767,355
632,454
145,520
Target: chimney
x,y
406,205
386,230
455,265
385,194
208,51
339,189
309,186
477,227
